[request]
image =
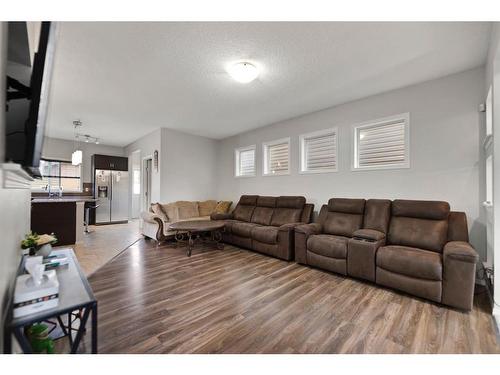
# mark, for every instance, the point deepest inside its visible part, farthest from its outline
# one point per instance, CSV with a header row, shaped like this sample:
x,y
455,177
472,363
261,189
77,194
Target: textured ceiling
x,y
124,80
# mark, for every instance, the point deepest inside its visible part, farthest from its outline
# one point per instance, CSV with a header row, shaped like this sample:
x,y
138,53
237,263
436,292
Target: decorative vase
x,y
44,250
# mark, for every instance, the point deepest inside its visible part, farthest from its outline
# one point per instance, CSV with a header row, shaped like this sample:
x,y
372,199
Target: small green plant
x,y
30,241
35,241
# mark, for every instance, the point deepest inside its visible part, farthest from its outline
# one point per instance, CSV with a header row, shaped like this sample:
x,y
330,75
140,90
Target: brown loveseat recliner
x,y
266,224
419,247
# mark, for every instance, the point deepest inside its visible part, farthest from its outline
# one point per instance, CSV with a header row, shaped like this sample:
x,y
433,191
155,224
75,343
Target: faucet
x,y
59,191
47,188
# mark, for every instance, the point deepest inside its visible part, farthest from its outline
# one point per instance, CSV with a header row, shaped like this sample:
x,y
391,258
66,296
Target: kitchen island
x,y
63,216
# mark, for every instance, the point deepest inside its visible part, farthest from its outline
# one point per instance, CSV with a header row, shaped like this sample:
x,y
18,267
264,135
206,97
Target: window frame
x,y
373,123
265,154
80,189
237,152
302,154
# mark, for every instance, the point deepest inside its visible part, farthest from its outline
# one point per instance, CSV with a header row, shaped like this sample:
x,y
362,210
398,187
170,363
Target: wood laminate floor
x,y
157,300
103,243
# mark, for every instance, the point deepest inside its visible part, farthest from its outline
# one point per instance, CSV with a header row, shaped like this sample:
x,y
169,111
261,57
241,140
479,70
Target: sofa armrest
x,y
218,216
459,274
152,226
309,229
289,227
151,217
302,233
461,251
369,235
286,240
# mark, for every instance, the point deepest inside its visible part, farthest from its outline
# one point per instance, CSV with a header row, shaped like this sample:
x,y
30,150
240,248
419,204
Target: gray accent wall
x,y
445,149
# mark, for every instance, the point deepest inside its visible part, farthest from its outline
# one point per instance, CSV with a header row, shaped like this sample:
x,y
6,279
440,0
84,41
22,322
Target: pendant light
x,y
77,155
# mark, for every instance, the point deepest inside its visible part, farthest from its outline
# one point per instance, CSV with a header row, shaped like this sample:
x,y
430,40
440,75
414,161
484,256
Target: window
x,y
277,157
245,161
318,151
57,173
382,144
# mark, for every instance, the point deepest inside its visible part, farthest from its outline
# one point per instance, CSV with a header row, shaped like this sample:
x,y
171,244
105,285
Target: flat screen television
x,y
27,102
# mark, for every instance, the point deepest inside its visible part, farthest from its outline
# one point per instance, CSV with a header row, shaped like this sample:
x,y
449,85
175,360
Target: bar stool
x,y
87,216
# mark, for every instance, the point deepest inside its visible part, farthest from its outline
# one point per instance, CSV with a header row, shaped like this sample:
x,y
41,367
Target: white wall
x,y
61,149
134,159
14,205
444,152
188,167
147,145
492,77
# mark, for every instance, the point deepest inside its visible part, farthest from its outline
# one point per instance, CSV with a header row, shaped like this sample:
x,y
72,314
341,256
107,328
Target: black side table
x,y
75,294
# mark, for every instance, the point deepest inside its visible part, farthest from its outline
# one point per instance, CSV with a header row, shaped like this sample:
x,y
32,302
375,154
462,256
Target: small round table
x,y
195,230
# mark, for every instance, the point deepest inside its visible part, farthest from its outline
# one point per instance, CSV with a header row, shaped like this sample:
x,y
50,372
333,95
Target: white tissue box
x,y
30,298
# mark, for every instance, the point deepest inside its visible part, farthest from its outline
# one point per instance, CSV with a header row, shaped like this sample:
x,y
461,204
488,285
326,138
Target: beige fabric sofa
x,y
155,225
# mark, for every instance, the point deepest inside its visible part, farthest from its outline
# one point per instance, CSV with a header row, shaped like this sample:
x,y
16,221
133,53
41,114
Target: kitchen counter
x,y
63,199
63,216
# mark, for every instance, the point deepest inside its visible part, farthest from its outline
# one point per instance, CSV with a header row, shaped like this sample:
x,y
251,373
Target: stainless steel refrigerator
x,y
111,190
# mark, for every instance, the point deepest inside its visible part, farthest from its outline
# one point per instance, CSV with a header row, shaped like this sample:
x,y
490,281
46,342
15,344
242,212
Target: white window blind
x,y
245,162
319,151
277,157
383,144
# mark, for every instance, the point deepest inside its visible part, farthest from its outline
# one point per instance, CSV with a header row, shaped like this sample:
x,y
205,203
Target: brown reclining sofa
x,y
266,224
419,247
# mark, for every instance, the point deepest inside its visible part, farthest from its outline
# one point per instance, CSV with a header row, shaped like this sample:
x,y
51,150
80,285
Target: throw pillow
x,y
206,207
223,207
158,210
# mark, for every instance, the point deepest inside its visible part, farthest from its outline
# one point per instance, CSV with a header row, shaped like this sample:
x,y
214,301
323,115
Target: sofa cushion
x,y
377,214
431,210
342,224
205,208
410,261
291,202
328,245
420,233
248,200
187,209
243,213
228,225
242,229
223,207
263,201
262,215
265,234
457,227
347,205
172,211
430,289
285,215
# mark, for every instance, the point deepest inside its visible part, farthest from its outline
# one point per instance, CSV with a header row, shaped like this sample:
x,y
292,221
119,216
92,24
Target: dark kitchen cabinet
x,y
55,217
107,162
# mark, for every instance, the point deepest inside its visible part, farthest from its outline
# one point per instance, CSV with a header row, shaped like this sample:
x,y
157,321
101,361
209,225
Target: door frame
x,y
144,177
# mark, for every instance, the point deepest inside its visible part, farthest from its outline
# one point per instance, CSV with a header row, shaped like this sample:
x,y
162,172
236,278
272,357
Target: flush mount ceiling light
x,y
243,72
